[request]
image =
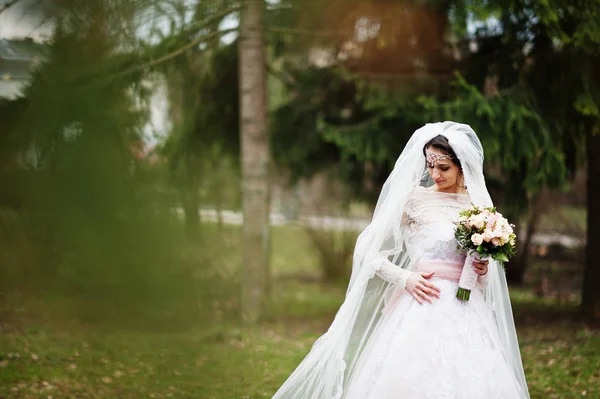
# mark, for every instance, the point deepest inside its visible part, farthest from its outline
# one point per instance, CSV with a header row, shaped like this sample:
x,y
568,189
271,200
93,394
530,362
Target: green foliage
x,y
334,251
587,105
333,121
203,146
532,131
90,221
296,140
515,136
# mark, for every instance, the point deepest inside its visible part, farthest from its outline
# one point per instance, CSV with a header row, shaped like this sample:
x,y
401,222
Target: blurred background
x,y
182,181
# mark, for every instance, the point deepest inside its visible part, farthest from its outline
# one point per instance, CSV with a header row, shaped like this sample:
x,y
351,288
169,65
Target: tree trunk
x,y
255,162
217,188
590,296
191,208
515,269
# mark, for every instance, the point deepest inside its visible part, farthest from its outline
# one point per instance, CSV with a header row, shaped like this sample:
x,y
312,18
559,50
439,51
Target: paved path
x,y
341,224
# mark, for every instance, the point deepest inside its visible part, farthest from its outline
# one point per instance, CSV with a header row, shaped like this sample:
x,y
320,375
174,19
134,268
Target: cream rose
x,y
477,239
478,220
487,235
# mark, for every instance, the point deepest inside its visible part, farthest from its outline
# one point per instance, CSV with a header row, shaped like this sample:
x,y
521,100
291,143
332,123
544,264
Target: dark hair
x,y
441,143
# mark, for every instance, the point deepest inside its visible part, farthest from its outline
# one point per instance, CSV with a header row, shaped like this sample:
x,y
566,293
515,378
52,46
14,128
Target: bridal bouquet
x,y
483,233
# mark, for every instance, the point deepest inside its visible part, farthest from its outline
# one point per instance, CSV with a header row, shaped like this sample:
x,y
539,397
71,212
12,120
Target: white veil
x,y
326,370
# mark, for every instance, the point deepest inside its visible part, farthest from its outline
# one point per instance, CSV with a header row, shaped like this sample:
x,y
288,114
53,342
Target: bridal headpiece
x,y
434,157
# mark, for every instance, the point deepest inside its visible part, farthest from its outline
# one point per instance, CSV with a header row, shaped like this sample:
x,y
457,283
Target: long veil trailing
x,y
327,369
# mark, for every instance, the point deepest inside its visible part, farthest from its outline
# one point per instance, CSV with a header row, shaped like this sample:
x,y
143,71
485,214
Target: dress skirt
x,y
445,350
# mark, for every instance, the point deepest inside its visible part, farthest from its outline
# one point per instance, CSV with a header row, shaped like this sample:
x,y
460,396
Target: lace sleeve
x,y
387,270
390,272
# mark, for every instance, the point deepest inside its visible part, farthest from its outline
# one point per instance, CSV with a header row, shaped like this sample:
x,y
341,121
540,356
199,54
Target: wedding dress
x,y
448,349
382,344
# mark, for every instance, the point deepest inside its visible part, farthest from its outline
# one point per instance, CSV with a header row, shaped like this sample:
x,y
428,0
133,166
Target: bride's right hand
x,y
420,288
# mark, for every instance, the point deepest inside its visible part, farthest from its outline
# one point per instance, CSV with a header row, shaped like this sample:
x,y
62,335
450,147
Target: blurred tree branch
x,y
287,79
120,65
305,32
179,51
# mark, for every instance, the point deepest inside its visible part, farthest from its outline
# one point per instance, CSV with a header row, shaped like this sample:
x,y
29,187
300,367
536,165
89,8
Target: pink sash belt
x,y
446,270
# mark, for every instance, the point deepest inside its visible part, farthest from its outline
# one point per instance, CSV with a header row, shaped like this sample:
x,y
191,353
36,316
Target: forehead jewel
x,y
434,157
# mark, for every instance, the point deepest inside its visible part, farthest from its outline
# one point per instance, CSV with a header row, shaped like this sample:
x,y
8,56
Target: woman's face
x,y
444,172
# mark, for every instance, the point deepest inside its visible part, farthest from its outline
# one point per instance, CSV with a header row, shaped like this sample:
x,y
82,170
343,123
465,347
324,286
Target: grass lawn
x,y
46,354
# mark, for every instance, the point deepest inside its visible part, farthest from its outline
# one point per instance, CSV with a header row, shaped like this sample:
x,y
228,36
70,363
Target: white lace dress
x,y
448,349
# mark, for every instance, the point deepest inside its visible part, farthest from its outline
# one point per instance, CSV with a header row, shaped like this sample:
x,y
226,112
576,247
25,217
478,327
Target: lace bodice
x,y
428,227
428,223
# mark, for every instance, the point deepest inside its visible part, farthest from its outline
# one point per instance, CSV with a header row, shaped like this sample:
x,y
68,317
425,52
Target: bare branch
x,y
105,79
285,78
306,32
179,51
195,42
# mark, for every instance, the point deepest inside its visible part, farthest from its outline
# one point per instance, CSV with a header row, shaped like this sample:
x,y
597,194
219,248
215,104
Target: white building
x,y
18,58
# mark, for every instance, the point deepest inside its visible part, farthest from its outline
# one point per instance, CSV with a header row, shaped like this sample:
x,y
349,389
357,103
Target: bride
x,y
401,333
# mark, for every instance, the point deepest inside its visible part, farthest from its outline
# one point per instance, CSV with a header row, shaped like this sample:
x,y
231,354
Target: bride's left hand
x,y
481,266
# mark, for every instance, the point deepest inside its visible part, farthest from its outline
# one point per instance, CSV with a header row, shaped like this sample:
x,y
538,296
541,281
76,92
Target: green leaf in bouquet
x,y
501,257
